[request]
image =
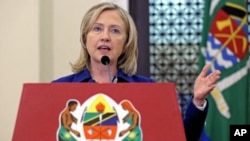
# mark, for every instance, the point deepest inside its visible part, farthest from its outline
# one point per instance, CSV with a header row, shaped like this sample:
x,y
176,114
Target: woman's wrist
x,y
199,102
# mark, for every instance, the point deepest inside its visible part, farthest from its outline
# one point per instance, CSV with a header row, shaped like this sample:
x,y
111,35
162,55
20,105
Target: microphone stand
x,y
105,61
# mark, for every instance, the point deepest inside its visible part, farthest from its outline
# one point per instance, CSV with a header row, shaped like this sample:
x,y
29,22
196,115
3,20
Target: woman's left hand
x,y
204,84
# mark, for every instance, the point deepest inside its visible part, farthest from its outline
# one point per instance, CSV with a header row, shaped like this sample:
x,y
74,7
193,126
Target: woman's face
x,y
124,107
106,37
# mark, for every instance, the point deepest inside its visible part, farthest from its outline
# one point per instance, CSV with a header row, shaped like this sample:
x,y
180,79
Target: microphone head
x,y
105,60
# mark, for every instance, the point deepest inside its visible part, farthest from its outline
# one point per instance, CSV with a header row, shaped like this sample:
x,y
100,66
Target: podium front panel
x,y
100,108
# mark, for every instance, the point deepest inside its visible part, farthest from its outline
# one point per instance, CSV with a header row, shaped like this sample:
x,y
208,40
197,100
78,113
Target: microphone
x,y
105,61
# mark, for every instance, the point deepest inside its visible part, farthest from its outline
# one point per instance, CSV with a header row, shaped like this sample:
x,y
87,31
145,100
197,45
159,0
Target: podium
x,y
99,106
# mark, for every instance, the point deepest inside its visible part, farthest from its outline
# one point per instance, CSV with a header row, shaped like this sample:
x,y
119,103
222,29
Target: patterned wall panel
x,y
175,34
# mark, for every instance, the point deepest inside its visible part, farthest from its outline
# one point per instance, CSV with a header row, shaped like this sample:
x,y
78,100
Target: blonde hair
x,y
127,61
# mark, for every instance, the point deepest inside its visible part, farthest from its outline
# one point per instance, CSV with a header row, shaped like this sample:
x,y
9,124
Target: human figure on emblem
x,y
133,119
66,120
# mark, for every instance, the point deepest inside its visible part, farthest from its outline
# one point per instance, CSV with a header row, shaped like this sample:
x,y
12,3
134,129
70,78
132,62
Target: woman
x,y
133,119
108,30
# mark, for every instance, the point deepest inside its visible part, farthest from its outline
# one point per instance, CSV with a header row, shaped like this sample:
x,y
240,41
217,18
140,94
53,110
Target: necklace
x,y
113,80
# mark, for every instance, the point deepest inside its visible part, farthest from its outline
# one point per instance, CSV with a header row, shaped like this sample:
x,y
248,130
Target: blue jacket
x,y
194,118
